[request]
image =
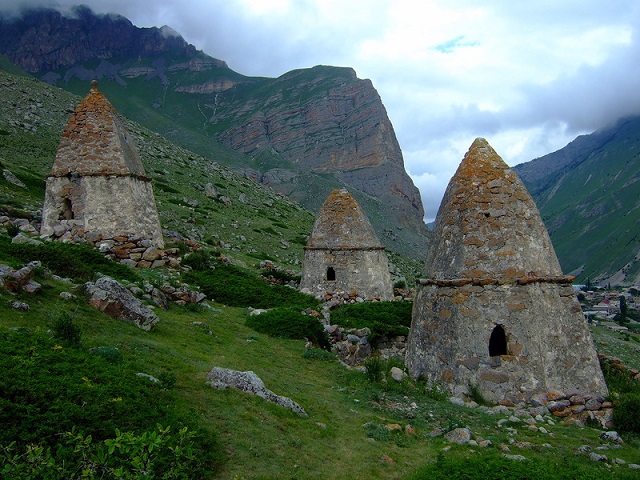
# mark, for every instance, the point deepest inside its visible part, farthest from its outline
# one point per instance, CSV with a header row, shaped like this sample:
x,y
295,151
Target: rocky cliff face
x,y
44,40
323,120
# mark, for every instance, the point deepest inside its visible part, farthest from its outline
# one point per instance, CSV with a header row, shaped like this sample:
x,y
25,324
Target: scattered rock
x,y
23,307
249,382
397,374
596,457
610,437
148,377
460,436
11,178
67,296
515,457
110,297
22,238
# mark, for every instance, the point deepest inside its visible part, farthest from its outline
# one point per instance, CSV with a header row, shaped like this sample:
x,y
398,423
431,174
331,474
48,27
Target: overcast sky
x,y
529,76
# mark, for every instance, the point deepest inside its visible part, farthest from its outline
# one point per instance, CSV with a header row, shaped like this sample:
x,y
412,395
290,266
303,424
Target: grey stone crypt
x,y
493,310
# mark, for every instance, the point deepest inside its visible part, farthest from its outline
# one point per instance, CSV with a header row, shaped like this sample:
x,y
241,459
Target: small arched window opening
x,y
331,274
67,210
498,342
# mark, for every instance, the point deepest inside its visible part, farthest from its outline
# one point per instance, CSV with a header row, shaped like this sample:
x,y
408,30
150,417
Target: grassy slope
x,y
184,119
261,440
592,211
266,226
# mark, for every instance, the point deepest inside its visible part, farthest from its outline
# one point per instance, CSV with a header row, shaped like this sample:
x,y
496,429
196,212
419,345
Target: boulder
x,y
112,298
22,238
249,382
460,436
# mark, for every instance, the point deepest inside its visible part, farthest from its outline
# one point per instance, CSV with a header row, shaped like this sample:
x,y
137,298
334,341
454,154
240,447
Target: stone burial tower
x,y
98,189
495,311
343,252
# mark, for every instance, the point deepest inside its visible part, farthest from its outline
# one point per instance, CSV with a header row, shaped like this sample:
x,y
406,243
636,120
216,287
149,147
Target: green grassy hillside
x,y
358,426
591,206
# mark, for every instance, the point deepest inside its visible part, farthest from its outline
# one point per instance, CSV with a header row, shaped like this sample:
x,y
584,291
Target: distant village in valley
x,y
617,308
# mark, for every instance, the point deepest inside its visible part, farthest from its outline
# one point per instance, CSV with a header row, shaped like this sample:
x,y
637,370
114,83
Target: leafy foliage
x,y
236,287
155,454
383,318
495,467
626,412
289,323
200,260
48,389
79,262
66,331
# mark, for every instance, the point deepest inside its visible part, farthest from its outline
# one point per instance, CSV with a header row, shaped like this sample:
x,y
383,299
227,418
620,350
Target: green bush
x,y
374,369
319,354
236,287
493,466
109,354
282,275
385,319
626,412
66,331
199,260
619,382
156,454
48,389
12,230
80,262
289,323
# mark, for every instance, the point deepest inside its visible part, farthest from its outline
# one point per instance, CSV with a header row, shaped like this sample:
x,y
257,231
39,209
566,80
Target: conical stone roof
x,y
488,226
96,142
342,224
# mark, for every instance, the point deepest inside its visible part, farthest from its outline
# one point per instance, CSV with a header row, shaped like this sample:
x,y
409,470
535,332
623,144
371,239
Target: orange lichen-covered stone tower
x,y
344,253
494,310
98,188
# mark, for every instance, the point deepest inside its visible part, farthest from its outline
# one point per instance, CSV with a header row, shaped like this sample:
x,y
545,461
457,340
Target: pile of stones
x,y
616,364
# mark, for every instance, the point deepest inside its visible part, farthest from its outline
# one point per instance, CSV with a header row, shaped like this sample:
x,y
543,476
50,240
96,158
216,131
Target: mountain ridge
x,y
302,133
587,193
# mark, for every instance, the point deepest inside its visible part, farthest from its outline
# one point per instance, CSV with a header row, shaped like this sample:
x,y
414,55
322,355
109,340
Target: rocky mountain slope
x,y
589,196
197,198
302,134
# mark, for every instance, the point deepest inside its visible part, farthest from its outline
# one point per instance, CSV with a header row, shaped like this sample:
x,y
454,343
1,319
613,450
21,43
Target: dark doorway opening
x,y
331,274
498,342
67,210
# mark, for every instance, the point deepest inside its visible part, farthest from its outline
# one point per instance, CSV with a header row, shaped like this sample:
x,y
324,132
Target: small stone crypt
x,y
494,311
343,252
98,189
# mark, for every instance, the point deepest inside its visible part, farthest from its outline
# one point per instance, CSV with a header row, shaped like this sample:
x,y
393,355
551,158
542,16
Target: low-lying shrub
x,y
80,262
494,466
236,287
385,319
626,412
289,323
199,260
49,389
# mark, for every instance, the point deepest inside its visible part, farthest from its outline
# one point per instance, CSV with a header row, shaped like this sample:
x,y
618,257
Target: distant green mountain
x,y
589,196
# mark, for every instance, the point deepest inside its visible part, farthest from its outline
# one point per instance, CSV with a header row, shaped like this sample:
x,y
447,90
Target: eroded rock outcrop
x,y
112,298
